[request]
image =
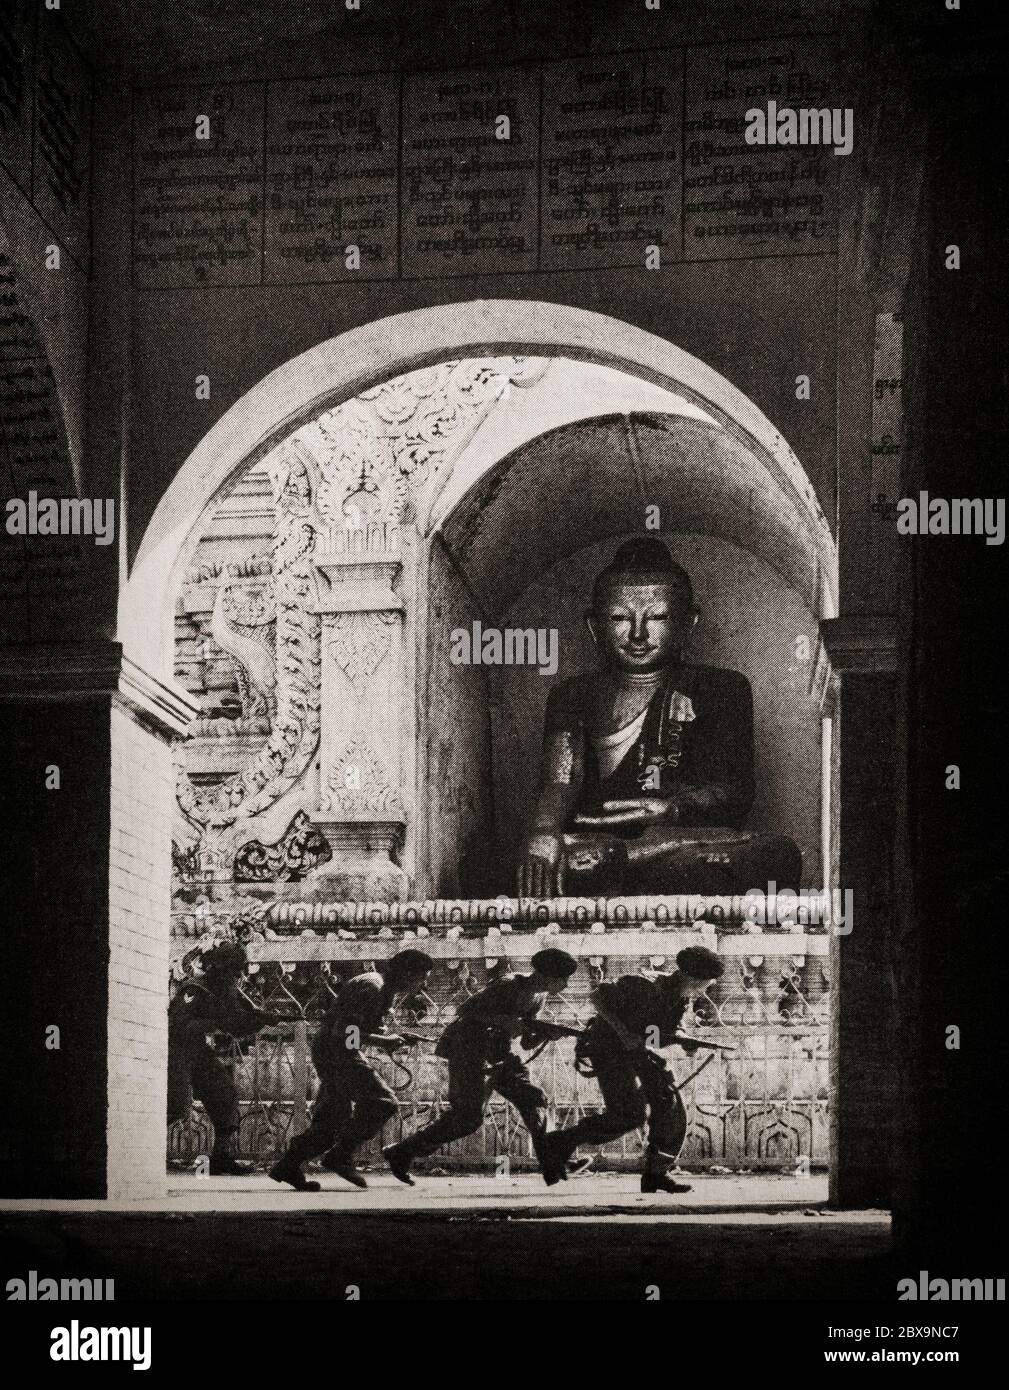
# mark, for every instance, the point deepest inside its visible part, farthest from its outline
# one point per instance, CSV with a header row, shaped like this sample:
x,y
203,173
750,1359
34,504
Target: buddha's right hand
x,y
541,866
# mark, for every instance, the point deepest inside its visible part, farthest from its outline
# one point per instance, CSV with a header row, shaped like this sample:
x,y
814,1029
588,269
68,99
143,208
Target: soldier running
x,y
477,1045
354,1102
631,1074
214,1004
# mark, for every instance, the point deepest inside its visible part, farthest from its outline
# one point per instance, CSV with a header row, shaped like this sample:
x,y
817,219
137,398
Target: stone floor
x,y
596,1237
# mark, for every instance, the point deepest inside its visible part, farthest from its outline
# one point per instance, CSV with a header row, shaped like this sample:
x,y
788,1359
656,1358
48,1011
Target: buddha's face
x,y
641,627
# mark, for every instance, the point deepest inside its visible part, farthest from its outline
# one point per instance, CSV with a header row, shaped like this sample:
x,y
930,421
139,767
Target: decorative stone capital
x,y
89,670
358,582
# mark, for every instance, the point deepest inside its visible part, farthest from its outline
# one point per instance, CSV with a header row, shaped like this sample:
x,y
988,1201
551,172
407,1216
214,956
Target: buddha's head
x,y
642,608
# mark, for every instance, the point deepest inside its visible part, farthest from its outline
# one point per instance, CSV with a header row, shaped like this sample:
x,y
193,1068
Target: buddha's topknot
x,y
644,560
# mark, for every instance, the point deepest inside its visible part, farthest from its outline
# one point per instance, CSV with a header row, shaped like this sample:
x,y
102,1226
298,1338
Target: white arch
x,y
342,367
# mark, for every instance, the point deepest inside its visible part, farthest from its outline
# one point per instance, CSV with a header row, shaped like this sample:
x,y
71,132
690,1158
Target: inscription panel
x,y
604,157
13,589
198,204
62,152
40,575
33,437
887,430
16,42
17,331
611,176
469,201
756,200
331,155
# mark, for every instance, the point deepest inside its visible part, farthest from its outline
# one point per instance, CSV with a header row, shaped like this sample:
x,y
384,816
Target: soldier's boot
x,y
399,1161
289,1170
553,1151
226,1166
662,1182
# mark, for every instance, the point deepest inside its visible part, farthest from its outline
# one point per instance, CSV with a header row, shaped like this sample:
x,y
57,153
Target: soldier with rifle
x,y
478,1045
201,1009
353,1102
632,1075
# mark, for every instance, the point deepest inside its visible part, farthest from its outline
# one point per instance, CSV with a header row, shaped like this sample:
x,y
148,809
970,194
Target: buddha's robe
x,y
691,746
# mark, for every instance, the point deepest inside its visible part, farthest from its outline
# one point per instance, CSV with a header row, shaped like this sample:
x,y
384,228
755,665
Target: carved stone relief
x,y
341,489
301,849
359,643
358,783
295,732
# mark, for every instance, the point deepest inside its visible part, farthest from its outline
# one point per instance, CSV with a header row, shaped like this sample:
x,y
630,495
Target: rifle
x,y
544,1031
712,1048
681,1038
411,1038
550,1030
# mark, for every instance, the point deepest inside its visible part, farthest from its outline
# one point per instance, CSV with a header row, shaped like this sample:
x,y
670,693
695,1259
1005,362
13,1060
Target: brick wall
x,y
139,900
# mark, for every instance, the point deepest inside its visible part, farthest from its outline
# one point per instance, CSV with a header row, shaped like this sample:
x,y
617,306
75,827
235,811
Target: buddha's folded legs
x,y
666,859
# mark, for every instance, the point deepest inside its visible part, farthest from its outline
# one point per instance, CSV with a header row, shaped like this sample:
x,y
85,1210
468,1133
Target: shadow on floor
x,y
471,1254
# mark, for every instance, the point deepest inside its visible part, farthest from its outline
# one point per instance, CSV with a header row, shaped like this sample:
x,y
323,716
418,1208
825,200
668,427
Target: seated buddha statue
x,y
647,773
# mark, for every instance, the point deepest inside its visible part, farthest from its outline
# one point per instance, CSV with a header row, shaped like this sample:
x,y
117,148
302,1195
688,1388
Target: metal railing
x,y
760,1107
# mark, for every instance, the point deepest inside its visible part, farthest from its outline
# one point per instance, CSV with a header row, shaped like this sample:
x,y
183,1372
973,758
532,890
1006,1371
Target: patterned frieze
x,y
752,912
782,951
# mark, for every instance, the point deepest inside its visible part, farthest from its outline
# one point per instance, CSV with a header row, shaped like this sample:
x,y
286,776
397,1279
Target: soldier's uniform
x,y
200,1009
632,1075
481,1060
353,1101
631,1080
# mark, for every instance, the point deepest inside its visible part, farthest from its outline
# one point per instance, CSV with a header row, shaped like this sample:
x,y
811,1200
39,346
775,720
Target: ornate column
x,y
362,805
373,467
327,633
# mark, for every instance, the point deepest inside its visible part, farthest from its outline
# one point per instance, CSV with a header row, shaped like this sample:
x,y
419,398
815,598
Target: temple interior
x,y
242,720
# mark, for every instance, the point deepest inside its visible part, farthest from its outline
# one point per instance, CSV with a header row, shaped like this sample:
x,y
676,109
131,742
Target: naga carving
x,y
295,733
241,625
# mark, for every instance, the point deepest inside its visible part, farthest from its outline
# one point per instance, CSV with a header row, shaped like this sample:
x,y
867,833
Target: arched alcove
x,y
475,460
403,519
341,368
520,550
